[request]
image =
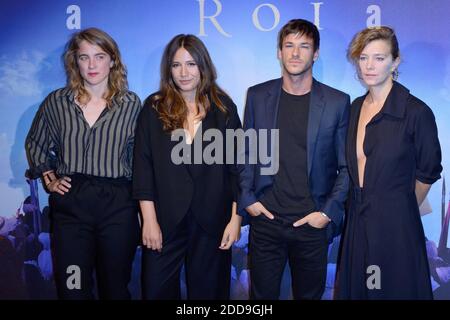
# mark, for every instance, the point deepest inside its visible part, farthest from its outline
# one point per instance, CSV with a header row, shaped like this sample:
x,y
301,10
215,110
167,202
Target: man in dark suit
x,y
295,212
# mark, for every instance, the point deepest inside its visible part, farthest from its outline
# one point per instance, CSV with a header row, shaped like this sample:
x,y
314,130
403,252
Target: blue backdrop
x,y
241,37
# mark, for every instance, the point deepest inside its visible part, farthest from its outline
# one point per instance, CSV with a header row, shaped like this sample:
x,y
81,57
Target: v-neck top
x,y
401,144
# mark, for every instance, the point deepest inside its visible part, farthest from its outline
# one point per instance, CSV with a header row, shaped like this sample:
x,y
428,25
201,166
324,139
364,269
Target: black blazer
x,y
172,188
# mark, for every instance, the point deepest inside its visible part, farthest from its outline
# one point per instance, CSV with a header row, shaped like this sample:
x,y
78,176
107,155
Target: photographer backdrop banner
x,y
242,39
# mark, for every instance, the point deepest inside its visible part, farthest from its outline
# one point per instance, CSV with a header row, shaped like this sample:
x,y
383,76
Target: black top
x,y
60,137
383,223
404,135
208,190
290,192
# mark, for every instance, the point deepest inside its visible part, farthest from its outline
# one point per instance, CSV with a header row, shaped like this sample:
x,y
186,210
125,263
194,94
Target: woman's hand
x,y
152,235
151,231
232,231
61,185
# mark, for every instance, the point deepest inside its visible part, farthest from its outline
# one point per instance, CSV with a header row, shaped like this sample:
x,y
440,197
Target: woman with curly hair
x,y
80,144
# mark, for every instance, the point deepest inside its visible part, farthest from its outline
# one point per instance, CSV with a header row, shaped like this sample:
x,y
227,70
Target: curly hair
x,y
117,80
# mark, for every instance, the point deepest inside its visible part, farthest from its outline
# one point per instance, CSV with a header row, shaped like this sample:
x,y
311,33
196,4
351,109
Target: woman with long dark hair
x,y
188,203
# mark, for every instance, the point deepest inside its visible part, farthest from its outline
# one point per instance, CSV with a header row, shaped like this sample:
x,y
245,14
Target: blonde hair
x,y
362,39
117,80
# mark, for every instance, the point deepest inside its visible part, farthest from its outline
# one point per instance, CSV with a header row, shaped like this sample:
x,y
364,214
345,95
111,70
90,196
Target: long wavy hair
x,y
169,102
117,80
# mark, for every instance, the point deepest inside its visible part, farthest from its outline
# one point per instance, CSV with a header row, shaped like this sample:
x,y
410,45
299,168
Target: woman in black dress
x,y
188,202
394,157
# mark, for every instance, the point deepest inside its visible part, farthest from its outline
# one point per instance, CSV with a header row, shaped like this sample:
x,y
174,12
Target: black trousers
x,y
95,227
274,242
207,267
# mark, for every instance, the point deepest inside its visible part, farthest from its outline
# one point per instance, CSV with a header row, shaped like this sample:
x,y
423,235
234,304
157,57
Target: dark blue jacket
x,y
327,128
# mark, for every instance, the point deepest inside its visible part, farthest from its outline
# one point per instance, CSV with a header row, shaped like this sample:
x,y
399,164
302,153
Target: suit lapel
x,y
316,107
272,103
210,120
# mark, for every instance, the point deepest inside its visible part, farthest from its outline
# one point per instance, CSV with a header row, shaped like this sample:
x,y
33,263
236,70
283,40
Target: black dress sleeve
x,y
427,148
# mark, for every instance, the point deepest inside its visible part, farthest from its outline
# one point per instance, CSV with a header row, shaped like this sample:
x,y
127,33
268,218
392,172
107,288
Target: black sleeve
x,y
234,123
143,173
427,148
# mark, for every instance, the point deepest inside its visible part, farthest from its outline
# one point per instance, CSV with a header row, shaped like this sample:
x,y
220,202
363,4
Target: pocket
x,y
260,219
57,200
52,198
314,228
256,218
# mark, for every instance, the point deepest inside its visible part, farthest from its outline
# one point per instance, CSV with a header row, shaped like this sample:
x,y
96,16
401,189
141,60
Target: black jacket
x,y
327,166
171,186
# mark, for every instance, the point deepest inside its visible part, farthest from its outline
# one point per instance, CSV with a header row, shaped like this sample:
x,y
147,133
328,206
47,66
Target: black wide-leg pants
x,y
207,267
95,228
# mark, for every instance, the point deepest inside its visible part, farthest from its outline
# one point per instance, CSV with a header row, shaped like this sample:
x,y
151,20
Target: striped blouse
x,y
61,139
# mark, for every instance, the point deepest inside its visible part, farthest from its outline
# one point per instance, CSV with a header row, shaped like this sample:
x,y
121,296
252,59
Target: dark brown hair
x,y
169,102
302,27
